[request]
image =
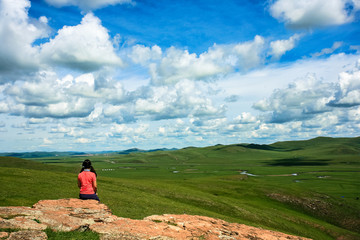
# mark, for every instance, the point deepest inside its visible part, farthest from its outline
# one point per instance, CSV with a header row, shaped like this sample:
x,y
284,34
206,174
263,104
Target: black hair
x,y
87,165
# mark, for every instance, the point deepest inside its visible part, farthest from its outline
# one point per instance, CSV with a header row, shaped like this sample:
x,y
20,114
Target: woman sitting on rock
x,y
87,181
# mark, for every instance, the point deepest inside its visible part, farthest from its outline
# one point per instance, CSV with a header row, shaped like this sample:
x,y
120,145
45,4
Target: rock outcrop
x,y
82,215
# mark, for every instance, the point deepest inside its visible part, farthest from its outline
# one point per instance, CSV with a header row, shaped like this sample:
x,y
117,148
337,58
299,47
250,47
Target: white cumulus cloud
x,y
86,46
185,98
245,118
280,47
50,96
219,59
142,55
17,33
311,98
348,92
301,100
313,13
249,54
129,134
180,64
326,51
83,140
47,141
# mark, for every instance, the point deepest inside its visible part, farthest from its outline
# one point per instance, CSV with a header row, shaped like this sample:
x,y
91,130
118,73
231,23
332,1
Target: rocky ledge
x,y
82,215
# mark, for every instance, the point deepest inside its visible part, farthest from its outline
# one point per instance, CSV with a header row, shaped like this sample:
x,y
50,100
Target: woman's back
x,y
87,180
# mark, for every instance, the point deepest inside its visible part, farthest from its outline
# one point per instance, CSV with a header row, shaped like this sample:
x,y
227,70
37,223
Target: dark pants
x,y
89,196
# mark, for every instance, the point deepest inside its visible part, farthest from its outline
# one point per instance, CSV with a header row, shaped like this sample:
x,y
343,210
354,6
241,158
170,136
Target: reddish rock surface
x,y
4,234
76,214
28,235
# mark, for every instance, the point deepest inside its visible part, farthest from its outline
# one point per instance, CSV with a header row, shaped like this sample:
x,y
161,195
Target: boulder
x,y
82,215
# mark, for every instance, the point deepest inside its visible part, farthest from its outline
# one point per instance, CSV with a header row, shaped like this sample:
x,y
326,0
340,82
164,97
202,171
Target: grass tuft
x,y
74,235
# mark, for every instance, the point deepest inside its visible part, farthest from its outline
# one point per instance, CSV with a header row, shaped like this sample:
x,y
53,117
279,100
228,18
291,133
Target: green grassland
x,y
308,188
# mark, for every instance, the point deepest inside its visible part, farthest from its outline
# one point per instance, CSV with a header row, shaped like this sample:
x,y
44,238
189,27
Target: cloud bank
x,y
310,98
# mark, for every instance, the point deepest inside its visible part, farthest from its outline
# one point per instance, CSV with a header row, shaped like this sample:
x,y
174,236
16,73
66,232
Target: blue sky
x,y
78,75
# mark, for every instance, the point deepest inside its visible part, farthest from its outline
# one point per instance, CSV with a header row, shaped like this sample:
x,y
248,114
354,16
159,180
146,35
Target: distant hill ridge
x,y
38,154
338,145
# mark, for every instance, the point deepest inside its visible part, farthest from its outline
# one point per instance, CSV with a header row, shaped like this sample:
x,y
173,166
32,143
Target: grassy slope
x,y
207,182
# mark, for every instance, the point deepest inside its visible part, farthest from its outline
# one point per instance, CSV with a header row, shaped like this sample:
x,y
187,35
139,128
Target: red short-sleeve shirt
x,y
86,179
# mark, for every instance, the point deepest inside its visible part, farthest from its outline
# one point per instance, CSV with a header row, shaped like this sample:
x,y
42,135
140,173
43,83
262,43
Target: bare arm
x,y
94,184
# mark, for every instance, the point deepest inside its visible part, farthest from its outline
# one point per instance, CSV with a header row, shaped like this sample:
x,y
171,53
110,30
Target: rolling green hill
x,y
308,188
